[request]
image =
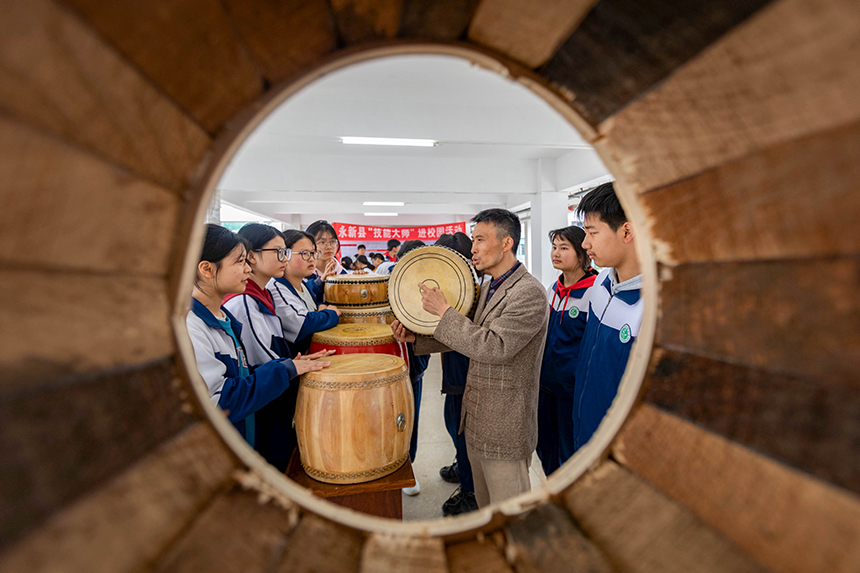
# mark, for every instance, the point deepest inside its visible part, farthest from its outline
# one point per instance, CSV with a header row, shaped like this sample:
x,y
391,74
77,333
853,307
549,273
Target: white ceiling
x,y
499,144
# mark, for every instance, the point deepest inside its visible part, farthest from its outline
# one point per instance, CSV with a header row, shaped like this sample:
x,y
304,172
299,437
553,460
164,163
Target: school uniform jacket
x,y
298,322
262,333
505,345
218,363
568,312
614,318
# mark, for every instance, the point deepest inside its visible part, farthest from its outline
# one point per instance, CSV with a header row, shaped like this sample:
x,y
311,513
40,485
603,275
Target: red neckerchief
x,y
254,291
564,291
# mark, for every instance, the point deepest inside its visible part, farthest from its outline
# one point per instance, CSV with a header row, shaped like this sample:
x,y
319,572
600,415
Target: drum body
x,y
354,419
356,291
434,266
357,338
372,315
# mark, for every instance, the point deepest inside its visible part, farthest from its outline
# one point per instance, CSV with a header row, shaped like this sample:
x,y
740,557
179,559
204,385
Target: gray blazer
x,y
505,343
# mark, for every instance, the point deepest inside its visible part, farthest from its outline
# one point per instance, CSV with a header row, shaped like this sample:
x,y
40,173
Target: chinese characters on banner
x,y
350,235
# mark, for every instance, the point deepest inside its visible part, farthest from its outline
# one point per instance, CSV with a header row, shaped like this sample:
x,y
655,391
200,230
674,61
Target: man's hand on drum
x,y
311,362
329,307
400,332
433,300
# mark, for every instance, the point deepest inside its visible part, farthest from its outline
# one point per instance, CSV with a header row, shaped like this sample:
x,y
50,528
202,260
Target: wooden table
x,y
381,497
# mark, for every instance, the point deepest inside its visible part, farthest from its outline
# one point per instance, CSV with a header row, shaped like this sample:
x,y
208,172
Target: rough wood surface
x,y
795,199
145,507
785,73
364,20
785,520
476,557
60,440
403,554
57,74
811,423
188,48
336,549
797,317
641,530
66,323
543,539
50,197
529,33
625,47
235,533
284,36
436,19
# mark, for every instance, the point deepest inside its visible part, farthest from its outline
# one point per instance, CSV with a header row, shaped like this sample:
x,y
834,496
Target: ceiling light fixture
x,y
380,214
383,203
388,141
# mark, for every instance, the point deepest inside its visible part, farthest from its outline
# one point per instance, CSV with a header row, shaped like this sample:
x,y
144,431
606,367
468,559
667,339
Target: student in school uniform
x,y
326,241
294,302
614,309
239,388
568,312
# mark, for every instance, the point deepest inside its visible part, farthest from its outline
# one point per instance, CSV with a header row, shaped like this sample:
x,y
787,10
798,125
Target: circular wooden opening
x,y
265,477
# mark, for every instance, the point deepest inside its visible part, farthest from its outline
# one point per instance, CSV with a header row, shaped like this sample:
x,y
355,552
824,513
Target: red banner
x,y
353,234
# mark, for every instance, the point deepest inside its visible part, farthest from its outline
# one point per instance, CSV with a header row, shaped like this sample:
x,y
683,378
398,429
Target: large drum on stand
x,y
354,419
358,338
356,291
434,266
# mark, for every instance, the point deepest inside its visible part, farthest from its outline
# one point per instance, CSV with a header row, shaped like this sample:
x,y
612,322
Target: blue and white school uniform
x,y
615,316
298,315
233,384
568,314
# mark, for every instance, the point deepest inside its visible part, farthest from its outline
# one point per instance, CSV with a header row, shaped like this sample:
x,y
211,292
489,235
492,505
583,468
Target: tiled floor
x,y
435,449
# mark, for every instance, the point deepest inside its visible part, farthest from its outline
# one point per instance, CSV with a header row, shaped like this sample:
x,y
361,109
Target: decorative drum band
x,y
355,477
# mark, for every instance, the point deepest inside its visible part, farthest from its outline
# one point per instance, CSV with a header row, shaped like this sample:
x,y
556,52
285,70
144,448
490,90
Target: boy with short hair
x,y
615,309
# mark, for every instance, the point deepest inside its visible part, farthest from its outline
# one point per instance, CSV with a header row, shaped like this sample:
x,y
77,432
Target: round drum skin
x,y
434,266
354,419
357,338
356,291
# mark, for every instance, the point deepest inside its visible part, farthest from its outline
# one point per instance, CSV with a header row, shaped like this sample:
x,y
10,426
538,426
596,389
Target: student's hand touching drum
x,y
400,332
329,307
329,270
310,363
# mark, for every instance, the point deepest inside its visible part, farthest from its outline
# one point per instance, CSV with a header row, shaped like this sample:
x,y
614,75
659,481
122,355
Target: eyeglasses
x,y
306,255
332,243
282,253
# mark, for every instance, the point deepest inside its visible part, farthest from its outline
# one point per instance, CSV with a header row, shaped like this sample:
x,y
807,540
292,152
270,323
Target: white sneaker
x,y
414,490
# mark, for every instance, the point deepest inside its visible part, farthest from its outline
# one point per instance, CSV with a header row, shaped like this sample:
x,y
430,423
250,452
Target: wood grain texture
x,y
336,548
436,19
66,323
55,73
623,48
782,518
384,552
235,533
546,537
795,199
811,423
60,440
146,507
476,557
188,48
50,195
798,317
785,73
365,20
284,36
641,530
531,33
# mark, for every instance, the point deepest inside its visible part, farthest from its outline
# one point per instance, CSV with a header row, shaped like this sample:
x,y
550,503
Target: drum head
x,y
433,266
355,334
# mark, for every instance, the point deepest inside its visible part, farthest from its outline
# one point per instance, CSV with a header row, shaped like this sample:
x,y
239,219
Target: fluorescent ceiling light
x,y
388,141
380,214
383,203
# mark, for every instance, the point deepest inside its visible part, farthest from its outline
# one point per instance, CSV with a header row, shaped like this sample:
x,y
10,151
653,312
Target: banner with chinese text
x,y
376,237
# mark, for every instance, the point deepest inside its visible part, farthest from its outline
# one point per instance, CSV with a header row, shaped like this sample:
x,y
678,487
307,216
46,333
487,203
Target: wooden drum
x,y
354,419
373,315
356,291
358,338
434,266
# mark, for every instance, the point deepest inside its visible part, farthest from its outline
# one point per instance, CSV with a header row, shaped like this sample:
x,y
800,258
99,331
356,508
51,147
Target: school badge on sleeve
x,y
624,334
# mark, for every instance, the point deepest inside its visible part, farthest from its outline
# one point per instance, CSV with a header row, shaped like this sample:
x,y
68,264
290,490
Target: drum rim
x,y
394,301
315,379
369,340
351,280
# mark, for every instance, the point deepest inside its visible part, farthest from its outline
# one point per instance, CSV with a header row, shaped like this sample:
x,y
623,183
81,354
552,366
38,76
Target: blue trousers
x,y
555,430
453,408
417,383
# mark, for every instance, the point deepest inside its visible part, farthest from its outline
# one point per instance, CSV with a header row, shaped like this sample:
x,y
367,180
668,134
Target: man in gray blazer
x,y
505,344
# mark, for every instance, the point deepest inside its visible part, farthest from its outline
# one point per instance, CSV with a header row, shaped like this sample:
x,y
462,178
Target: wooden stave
x,y
377,315
653,214
357,291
